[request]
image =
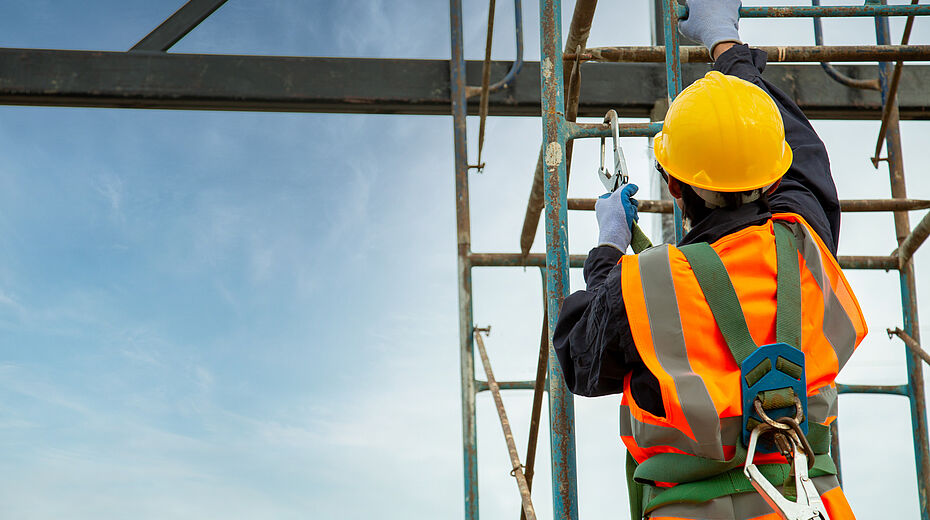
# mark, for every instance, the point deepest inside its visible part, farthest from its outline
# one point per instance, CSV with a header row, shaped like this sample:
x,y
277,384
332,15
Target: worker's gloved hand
x,y
616,212
711,22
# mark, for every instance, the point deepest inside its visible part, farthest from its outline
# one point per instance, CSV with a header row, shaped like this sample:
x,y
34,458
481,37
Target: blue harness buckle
x,y
767,375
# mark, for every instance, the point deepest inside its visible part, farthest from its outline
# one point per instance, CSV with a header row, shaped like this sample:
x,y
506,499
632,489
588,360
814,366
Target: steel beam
x,y
177,26
359,85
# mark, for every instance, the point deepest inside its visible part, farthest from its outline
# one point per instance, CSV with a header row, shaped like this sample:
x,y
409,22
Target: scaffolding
x,y
147,76
560,74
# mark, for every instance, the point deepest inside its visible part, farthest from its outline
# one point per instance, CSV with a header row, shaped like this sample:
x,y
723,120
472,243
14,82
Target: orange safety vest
x,y
680,343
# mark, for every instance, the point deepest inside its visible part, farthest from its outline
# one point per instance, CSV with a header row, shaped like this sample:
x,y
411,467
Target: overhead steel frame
x,y
558,132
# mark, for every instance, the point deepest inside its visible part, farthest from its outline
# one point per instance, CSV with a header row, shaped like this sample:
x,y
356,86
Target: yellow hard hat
x,y
723,133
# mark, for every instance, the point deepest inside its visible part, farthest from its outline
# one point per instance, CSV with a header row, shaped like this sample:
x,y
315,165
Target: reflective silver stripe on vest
x,y
651,435
669,345
822,405
825,483
837,326
744,506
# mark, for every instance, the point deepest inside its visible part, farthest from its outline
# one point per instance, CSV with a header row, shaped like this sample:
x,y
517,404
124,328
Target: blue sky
x,y
254,315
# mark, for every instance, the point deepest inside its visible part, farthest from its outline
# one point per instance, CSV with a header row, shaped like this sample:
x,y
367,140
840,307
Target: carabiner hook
x,y
618,177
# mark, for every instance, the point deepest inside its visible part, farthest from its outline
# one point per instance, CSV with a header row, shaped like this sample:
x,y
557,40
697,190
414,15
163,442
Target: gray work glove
x,y
616,212
711,22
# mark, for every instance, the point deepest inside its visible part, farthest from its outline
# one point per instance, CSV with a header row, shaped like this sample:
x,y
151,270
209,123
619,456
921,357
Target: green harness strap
x,y
721,297
687,469
639,241
729,483
700,479
788,296
635,490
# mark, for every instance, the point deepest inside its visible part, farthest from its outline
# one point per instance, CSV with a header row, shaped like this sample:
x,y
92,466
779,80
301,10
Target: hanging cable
x,y
867,84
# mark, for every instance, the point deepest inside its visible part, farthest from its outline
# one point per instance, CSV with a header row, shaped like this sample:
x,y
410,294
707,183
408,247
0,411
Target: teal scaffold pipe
x,y
825,11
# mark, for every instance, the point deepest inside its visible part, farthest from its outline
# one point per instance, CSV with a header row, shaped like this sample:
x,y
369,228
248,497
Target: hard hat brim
x,y
692,179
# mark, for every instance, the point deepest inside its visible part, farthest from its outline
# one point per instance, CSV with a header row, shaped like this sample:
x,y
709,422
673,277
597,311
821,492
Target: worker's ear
x,y
774,187
674,187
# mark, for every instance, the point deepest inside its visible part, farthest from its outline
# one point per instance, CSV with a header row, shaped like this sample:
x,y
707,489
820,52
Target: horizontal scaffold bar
x,y
582,130
800,53
482,386
886,263
390,86
850,205
824,11
872,389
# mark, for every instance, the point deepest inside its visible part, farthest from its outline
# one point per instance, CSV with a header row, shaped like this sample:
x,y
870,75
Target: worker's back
x,y
681,344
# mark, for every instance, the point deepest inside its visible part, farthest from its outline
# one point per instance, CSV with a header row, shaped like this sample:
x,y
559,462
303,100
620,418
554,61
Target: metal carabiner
x,y
618,177
784,424
809,506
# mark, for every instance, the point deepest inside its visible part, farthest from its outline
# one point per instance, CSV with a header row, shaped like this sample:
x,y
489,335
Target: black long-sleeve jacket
x,y
593,339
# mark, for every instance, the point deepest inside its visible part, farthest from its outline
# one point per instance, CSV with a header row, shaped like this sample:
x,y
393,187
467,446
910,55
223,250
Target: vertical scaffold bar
x,y
463,232
672,75
561,406
917,396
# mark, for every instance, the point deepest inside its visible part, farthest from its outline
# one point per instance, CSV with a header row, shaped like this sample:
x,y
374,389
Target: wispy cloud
x,y
110,187
7,300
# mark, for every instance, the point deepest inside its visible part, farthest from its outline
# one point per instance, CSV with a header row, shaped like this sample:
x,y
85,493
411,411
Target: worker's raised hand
x,y
616,212
711,22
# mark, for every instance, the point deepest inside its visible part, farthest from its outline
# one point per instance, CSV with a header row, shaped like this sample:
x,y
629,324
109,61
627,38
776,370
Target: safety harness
x,y
774,399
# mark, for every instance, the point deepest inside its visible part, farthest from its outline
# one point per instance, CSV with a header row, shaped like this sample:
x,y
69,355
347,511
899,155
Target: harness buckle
x,y
774,385
774,395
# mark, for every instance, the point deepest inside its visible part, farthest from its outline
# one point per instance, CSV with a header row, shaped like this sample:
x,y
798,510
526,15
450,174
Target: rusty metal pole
x,y
561,406
892,90
672,78
517,467
910,343
542,363
463,234
917,393
914,239
846,205
776,54
578,32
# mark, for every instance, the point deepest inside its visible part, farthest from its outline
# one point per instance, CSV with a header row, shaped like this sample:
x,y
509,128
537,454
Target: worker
x,y
744,164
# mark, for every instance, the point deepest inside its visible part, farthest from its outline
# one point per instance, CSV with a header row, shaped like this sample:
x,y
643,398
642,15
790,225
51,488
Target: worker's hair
x,y
696,208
